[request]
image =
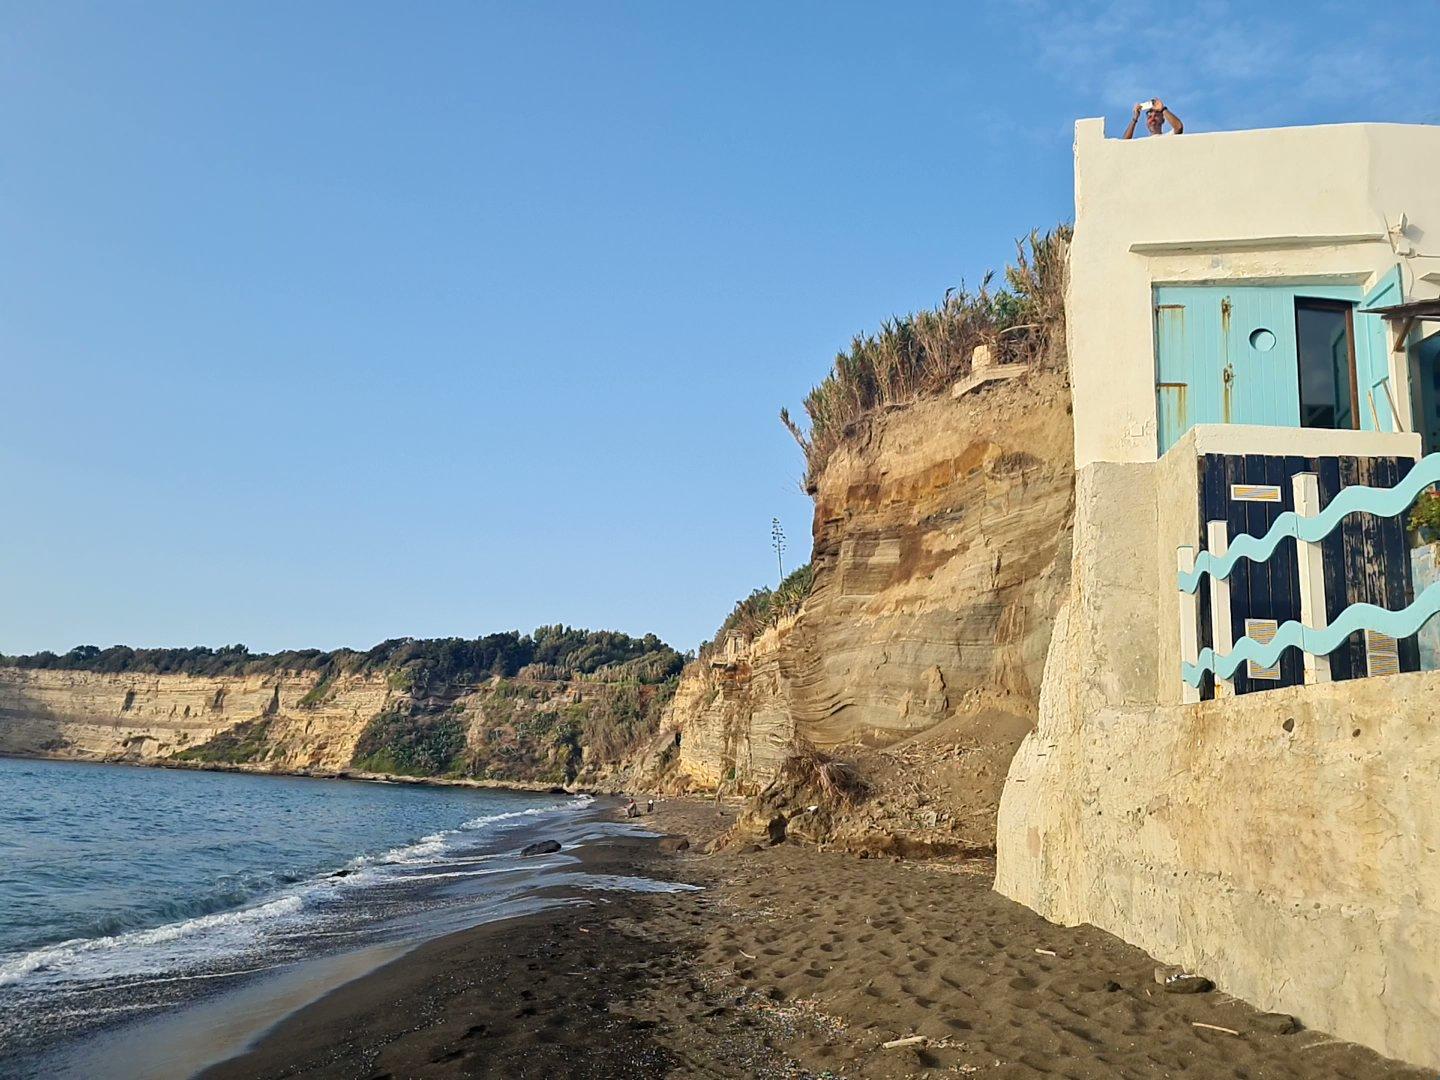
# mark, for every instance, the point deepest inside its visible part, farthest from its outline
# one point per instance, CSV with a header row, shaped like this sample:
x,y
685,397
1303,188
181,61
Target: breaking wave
x,y
129,892
97,956
241,920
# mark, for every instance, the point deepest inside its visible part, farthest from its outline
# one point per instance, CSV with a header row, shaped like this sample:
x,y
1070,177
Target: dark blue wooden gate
x,y
1366,560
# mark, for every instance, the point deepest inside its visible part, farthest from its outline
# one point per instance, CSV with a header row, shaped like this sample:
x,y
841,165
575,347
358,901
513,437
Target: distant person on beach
x,y
1156,117
631,810
649,806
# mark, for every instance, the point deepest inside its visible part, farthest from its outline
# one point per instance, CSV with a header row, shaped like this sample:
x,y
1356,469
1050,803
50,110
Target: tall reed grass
x,y
925,352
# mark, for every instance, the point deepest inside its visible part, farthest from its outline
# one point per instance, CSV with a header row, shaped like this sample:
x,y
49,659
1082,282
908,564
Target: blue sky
x,y
331,322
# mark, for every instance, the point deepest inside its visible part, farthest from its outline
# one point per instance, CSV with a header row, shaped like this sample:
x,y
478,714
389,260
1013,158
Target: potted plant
x,y
1425,517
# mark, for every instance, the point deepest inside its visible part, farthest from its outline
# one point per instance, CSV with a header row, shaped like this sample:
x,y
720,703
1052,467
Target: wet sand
x,y
791,963
543,995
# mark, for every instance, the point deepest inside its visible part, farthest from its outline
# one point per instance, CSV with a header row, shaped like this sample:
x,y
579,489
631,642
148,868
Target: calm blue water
x,y
129,890
92,851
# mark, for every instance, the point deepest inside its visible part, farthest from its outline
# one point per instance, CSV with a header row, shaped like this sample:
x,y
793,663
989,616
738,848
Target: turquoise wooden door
x,y
1224,356
1372,356
1228,355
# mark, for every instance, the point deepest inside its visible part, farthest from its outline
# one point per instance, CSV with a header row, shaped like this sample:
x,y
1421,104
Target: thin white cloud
x,y
1223,64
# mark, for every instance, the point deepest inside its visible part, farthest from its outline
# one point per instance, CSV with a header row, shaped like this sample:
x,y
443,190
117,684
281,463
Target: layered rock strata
x,y
149,718
941,551
504,731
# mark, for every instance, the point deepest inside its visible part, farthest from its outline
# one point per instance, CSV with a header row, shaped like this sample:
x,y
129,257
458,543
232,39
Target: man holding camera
x,y
1156,116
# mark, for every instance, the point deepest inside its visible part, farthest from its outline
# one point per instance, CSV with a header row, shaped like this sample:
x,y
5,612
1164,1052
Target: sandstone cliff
x,y
501,730
941,553
146,718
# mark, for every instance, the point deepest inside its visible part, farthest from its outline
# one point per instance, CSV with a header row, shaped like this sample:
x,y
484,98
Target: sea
x,y
154,921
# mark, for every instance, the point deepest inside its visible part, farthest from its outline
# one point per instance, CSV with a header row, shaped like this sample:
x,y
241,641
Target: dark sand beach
x,y
791,962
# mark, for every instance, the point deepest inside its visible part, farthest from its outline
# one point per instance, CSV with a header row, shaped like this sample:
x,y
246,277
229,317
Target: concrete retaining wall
x,y
1284,844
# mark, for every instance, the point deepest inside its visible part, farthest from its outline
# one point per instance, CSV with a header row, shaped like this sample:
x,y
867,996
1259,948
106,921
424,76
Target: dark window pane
x,y
1322,334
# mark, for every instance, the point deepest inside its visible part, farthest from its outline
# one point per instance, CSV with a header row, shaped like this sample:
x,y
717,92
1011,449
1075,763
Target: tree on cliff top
x,y
567,651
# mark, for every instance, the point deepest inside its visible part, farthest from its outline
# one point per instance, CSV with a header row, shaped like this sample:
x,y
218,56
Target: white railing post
x,y
1312,577
1217,540
1189,624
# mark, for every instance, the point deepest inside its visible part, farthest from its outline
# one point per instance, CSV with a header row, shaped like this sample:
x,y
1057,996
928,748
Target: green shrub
x,y
316,694
247,741
411,743
1425,514
431,665
763,608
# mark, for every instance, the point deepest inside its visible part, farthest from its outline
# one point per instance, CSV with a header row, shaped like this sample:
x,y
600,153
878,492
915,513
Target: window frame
x,y
1320,303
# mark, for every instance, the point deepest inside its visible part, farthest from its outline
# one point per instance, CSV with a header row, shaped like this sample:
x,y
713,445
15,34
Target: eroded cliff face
x,y
941,553
507,731
150,718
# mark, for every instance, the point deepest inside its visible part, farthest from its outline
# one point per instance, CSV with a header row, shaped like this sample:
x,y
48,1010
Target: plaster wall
x,y
1283,844
1298,204
1293,865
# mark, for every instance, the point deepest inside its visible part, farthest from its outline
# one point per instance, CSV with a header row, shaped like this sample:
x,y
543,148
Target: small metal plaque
x,y
1269,493
1263,631
1382,654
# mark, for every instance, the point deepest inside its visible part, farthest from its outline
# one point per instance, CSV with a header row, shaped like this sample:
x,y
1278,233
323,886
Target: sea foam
x,y
99,957
188,944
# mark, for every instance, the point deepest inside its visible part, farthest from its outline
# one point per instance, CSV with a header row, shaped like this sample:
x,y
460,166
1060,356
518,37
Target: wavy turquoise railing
x,y
1383,502
1398,624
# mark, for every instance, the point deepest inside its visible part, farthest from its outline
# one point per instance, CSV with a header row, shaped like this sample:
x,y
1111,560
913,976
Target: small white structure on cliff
x,y
1266,820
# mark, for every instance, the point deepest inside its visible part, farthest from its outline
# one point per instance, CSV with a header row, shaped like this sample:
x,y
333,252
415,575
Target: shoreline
x,y
783,962
555,993
211,998
526,787
791,963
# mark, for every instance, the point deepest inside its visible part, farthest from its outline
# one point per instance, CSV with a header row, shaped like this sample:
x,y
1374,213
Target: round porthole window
x,y
1262,340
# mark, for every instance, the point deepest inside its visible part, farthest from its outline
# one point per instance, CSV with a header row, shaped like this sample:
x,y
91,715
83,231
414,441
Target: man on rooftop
x,y
1156,116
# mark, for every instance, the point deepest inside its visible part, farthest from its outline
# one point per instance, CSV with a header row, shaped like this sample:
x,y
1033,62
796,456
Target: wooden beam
x,y
1403,333
1312,576
1217,540
1189,625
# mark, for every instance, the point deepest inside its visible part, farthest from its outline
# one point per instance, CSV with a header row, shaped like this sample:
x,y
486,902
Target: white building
x,y
1265,818
1300,229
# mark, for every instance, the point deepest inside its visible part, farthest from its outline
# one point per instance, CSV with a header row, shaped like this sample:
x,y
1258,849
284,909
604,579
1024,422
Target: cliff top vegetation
x,y
555,652
925,352
763,608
